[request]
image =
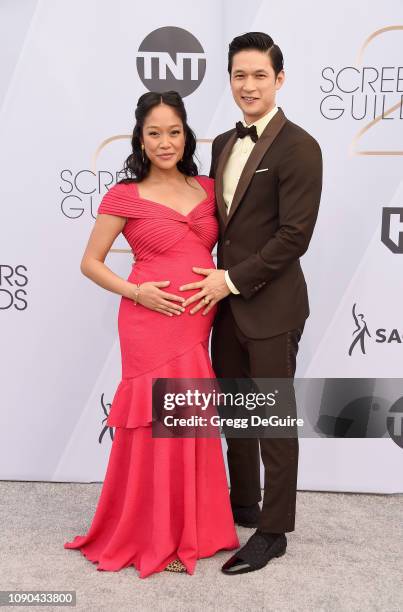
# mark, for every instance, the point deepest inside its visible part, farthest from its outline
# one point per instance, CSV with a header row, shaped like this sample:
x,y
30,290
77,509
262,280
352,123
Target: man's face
x,y
254,84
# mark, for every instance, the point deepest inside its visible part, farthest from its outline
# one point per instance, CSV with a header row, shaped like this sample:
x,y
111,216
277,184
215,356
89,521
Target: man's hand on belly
x,y
213,288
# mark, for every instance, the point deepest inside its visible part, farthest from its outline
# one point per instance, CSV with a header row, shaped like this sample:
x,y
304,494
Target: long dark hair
x,y
135,169
260,42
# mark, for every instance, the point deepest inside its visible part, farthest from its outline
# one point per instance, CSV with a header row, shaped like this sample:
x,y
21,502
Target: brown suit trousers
x,y
236,356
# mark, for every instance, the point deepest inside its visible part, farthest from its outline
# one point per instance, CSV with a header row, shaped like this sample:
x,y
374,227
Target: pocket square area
x,y
261,170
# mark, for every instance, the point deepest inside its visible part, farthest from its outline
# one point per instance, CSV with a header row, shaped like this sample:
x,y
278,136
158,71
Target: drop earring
x,y
142,153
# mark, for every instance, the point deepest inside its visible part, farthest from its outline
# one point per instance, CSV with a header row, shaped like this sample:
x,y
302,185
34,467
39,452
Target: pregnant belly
x,y
148,337
176,269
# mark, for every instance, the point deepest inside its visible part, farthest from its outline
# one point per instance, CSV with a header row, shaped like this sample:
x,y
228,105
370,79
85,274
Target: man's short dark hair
x,y
260,42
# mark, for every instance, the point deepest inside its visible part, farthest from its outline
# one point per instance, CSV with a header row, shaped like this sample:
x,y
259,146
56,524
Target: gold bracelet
x,y
136,294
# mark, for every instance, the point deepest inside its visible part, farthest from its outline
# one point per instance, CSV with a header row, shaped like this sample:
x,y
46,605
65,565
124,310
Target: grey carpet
x,y
345,555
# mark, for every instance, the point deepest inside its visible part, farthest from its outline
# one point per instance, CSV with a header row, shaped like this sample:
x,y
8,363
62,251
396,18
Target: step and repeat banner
x,y
71,74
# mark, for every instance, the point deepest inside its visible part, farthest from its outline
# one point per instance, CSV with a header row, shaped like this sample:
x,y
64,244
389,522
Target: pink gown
x,y
162,498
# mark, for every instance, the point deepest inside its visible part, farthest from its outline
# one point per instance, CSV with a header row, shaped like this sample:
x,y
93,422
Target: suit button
x,y
227,242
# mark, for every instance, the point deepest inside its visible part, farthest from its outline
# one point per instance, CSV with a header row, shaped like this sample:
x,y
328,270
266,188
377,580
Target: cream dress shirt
x,y
234,166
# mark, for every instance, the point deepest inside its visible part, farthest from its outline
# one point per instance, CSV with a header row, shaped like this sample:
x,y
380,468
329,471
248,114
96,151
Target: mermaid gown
x,y
162,498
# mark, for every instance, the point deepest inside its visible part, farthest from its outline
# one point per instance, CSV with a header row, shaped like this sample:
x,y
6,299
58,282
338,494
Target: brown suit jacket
x,y
269,227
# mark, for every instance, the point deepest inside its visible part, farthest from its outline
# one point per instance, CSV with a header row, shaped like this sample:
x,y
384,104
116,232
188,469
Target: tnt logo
x,y
394,422
392,229
171,58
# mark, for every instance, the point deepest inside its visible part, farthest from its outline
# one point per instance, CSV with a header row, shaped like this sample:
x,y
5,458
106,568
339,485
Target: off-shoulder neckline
x,y
197,177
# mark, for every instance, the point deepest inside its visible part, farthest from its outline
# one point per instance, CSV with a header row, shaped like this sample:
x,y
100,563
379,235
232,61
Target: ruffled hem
x,y
162,499
102,566
132,403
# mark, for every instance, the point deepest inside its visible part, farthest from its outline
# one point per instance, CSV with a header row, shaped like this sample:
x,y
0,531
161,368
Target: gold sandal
x,y
175,566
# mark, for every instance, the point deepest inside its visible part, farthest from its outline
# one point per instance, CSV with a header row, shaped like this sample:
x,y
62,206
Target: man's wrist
x,y
230,284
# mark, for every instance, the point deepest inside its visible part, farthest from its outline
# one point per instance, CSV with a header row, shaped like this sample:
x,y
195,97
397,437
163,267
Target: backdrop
x,y
71,73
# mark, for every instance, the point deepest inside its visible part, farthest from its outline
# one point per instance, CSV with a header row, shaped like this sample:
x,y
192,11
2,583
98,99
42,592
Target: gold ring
x,y
206,300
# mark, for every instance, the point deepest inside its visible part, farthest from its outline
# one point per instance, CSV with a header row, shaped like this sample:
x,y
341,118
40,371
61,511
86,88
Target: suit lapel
x,y
219,183
266,139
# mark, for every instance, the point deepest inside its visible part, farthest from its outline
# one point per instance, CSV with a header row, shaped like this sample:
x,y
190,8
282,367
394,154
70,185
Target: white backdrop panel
x,y
69,85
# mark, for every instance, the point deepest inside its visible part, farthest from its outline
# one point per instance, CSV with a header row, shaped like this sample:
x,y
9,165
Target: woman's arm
x,y
107,227
102,237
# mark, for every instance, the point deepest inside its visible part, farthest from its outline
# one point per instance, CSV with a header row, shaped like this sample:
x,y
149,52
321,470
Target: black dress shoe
x,y
256,553
246,516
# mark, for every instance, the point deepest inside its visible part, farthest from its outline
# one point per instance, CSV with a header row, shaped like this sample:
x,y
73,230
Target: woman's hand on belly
x,y
151,296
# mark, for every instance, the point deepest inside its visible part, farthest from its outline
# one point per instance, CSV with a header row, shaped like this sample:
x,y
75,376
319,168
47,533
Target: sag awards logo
x,y
13,282
171,58
392,229
81,191
361,334
105,409
369,93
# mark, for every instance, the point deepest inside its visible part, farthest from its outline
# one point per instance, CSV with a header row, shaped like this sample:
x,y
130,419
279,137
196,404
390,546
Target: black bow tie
x,y
243,131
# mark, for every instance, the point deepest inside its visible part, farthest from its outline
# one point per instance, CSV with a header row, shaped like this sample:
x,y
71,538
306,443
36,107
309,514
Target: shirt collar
x,y
263,121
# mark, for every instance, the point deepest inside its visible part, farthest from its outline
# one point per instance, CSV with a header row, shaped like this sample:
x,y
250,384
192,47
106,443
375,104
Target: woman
x,y
164,502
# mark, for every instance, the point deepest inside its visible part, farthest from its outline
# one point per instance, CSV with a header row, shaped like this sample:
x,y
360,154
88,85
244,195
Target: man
x,y
268,180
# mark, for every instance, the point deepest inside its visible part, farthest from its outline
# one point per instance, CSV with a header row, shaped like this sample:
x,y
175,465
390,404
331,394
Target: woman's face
x,y
163,137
